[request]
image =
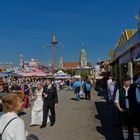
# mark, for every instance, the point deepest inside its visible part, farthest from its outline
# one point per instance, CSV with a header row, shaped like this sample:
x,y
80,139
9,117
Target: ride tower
x,y
54,43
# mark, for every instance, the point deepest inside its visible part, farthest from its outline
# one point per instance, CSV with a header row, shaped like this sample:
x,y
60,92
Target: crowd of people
x,y
83,86
15,97
124,96
16,94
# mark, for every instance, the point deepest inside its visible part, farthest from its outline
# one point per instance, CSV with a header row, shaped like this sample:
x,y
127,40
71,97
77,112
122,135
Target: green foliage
x,y
78,72
71,72
85,74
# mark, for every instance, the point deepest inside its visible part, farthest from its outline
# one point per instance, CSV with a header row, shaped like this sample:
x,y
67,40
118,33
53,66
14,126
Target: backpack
x,y
84,87
88,87
5,127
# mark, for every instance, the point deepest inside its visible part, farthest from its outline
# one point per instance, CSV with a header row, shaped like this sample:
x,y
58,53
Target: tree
x,y
71,72
85,74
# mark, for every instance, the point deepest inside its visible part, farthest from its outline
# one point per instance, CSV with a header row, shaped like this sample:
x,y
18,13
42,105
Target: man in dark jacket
x,y
50,99
134,103
122,104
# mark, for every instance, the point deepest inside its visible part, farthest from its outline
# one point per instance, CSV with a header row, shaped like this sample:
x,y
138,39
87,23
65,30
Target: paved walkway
x,y
83,120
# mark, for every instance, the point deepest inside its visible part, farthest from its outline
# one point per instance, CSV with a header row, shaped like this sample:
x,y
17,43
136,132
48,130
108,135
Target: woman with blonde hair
x,y
15,130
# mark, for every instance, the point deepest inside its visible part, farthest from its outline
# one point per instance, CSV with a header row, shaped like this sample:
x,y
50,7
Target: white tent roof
x,y
60,72
77,76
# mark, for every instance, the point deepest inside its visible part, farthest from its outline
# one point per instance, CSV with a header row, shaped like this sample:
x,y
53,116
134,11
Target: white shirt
x,y
49,86
109,81
138,95
15,130
126,94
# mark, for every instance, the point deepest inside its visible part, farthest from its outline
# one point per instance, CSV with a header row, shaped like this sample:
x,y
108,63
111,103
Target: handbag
x,y
81,93
32,137
5,127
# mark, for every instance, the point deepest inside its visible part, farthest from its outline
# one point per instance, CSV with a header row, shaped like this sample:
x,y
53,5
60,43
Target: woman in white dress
x,y
37,109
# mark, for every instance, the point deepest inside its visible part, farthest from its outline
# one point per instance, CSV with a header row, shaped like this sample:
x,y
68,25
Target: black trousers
x,y
135,118
125,118
87,95
46,108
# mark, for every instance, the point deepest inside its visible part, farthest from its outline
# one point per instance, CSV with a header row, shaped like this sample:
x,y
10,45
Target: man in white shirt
x,y
122,103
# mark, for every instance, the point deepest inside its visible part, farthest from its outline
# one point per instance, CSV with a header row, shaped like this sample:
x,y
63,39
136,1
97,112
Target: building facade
x,y
82,64
125,59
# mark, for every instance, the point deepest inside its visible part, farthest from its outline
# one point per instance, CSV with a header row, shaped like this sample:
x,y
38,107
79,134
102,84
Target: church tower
x,y
21,61
83,58
61,62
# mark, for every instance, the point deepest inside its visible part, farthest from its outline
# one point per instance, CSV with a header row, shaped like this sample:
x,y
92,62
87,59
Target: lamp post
x,y
54,43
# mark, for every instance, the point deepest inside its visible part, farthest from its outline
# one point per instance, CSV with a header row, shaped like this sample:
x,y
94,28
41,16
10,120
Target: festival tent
x,y
15,75
37,73
77,76
7,74
99,77
25,74
4,74
50,75
61,75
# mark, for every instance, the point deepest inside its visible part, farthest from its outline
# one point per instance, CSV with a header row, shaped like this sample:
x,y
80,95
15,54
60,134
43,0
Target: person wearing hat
x,y
134,105
122,104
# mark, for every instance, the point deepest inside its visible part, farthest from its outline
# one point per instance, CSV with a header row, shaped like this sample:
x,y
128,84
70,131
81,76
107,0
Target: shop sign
x,y
125,58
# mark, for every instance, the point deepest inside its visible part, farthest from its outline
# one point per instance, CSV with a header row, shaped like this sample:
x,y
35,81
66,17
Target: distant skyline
x,y
27,27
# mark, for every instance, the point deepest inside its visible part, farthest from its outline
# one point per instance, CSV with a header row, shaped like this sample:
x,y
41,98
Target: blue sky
x,y
27,26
